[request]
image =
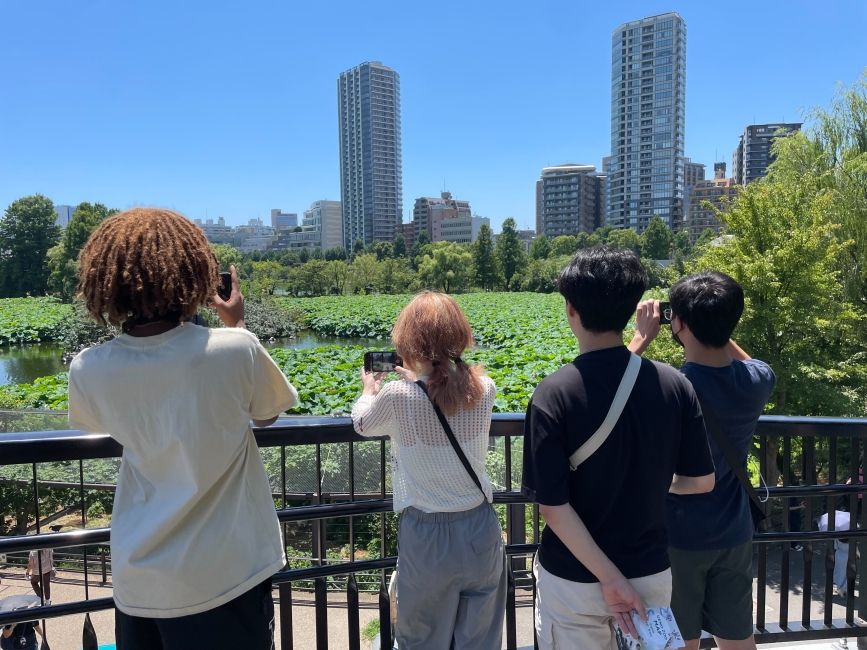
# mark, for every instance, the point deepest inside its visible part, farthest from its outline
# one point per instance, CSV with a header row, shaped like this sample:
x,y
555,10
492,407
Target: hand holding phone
x,y
224,289
664,313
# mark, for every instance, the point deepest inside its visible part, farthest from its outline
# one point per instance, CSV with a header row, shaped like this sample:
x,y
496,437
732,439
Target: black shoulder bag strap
x,y
757,507
453,440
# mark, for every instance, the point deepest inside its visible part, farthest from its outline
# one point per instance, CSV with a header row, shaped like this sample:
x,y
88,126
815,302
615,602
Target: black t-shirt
x,y
620,491
23,638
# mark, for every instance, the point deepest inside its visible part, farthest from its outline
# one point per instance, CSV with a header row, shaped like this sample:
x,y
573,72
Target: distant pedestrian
x,y
40,570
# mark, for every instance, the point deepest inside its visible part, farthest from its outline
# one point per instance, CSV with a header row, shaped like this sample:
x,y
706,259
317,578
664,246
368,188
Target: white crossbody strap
x,y
595,441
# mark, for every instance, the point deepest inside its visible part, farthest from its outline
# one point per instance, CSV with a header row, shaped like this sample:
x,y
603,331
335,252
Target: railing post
x,y
516,531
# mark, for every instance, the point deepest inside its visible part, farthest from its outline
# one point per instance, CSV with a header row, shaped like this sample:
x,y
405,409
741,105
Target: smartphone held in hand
x,y
224,289
381,361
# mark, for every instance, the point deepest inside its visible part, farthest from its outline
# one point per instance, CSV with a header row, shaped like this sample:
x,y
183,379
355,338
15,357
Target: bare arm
x,y
265,423
619,595
692,484
8,630
736,351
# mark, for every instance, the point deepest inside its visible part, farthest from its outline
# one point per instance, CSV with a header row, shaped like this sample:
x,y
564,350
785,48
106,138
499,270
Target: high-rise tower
x,y
648,81
371,183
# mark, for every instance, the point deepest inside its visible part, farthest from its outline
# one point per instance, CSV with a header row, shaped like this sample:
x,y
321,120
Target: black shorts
x,y
245,622
713,591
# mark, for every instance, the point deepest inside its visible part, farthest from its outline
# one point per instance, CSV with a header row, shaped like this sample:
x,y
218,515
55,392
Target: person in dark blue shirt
x,y
710,535
20,636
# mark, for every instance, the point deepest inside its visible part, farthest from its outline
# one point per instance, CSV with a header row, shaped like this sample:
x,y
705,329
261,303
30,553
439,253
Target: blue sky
x,y
229,108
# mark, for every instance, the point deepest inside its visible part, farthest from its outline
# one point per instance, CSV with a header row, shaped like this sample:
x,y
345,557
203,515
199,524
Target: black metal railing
x,y
332,494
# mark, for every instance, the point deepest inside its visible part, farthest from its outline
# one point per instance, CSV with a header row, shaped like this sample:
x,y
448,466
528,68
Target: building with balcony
x,y
716,191
371,182
571,198
322,228
753,154
648,84
217,231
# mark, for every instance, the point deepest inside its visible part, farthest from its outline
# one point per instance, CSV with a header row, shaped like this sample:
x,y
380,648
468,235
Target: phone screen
x,y
381,361
224,289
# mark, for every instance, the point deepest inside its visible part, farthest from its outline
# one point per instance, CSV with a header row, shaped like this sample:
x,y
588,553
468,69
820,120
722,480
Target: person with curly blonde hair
x,y
194,535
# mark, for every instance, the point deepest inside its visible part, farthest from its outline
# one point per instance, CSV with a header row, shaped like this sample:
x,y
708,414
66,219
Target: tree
x,y
448,266
564,245
541,275
357,248
783,249
680,244
510,251
336,271
338,253
263,278
364,273
419,249
382,250
395,276
625,238
656,240
833,152
28,230
63,258
226,255
486,271
540,249
399,249
707,236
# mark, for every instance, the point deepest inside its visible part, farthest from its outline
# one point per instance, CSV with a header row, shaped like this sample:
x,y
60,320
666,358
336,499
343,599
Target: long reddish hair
x,y
433,328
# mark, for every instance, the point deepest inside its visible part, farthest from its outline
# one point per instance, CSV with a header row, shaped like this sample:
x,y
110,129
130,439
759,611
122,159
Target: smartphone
x,y
664,313
224,289
381,361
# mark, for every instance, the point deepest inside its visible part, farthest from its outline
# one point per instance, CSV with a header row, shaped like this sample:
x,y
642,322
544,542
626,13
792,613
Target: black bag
x,y
758,510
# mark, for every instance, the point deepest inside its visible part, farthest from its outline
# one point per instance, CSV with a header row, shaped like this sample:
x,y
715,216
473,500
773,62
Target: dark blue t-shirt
x,y
23,638
737,395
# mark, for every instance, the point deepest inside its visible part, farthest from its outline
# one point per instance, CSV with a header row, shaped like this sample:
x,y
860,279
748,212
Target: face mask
x,y
676,337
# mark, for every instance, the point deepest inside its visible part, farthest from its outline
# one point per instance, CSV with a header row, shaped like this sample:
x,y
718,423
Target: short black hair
x,y
710,304
604,286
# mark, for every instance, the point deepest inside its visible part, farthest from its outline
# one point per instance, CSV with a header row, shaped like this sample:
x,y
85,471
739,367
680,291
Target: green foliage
x,y
269,319
625,238
541,275
448,267
226,255
486,265
510,251
540,248
564,245
32,320
656,240
63,258
782,248
27,231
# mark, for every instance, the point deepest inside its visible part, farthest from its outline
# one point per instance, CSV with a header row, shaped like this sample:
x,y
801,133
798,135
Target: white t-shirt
x,y
426,472
194,524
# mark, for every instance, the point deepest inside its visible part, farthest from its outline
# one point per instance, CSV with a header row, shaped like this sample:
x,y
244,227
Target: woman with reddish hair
x,y
451,582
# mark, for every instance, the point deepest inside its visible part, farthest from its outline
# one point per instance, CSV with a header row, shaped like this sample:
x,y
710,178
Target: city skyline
x,y
214,131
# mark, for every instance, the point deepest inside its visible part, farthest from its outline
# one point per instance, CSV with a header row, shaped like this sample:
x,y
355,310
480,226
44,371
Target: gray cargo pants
x,y
451,580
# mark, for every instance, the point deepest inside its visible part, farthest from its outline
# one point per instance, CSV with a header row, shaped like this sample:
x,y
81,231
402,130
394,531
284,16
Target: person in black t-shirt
x,y
603,553
21,636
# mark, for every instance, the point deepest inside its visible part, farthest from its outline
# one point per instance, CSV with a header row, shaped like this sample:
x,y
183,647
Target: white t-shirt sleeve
x,y
272,392
82,412
373,415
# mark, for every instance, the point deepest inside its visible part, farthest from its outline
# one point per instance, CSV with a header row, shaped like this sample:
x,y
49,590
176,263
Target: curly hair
x,y
147,264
